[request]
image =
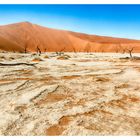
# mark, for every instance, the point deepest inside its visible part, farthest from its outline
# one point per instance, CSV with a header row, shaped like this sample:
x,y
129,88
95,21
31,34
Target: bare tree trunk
x,y
74,50
16,64
130,52
60,52
38,50
25,49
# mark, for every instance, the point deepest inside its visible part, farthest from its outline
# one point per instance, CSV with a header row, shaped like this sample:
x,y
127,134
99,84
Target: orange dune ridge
x,y
16,37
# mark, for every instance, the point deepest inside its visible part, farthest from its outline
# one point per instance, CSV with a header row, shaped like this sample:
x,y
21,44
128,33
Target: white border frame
x,y
69,2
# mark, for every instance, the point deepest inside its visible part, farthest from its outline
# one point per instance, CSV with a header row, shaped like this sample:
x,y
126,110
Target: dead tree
x,y
62,49
130,52
25,48
45,50
17,64
74,50
60,52
87,48
38,50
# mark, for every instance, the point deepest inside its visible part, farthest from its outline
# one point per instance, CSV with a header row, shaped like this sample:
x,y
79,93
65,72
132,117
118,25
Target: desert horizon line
x,y
100,35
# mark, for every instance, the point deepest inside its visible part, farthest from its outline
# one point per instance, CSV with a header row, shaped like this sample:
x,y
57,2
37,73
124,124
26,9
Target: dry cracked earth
x,y
86,94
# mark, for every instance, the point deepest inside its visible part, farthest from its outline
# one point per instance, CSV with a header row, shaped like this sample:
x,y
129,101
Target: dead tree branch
x,y
60,52
74,50
38,50
25,48
130,52
17,64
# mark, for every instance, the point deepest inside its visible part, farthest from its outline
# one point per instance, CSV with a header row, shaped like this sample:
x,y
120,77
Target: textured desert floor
x,y
86,94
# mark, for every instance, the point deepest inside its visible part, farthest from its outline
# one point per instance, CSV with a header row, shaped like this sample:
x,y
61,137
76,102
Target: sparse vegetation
x,y
130,52
63,57
37,59
16,64
74,50
46,56
25,48
60,52
38,50
2,57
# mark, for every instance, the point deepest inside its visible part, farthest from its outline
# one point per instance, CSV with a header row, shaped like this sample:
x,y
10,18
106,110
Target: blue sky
x,y
109,20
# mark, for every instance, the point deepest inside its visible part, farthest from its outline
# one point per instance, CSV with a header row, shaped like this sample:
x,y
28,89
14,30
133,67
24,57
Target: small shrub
x,y
2,57
46,56
11,58
63,57
37,59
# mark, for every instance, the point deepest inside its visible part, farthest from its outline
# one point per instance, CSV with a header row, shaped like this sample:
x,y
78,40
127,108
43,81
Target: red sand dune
x,y
15,37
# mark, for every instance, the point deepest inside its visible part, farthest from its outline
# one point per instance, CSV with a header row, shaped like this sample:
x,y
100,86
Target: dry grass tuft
x,y
37,59
63,57
11,58
46,56
2,57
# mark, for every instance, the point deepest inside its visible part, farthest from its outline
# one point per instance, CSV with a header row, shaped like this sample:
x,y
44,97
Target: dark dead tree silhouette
x,y
25,48
62,49
130,51
74,50
60,52
17,64
45,50
38,50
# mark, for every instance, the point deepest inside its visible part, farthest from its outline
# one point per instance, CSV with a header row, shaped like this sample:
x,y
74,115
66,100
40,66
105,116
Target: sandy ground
x,y
87,94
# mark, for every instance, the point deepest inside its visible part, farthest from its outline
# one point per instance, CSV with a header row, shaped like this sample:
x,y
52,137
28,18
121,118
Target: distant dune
x,y
15,37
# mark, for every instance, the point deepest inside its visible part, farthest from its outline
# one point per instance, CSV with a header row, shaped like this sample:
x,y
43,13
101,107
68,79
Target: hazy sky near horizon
x,y
108,20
